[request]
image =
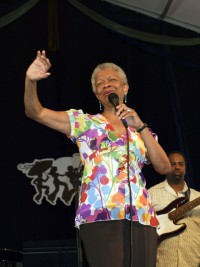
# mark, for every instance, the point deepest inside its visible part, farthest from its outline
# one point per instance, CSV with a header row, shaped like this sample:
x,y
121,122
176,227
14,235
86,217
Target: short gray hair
x,y
108,65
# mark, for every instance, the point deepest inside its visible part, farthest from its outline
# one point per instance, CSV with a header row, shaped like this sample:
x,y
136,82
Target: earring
x,y
100,106
125,99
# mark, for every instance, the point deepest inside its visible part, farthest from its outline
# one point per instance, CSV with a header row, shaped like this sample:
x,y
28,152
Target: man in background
x,y
178,245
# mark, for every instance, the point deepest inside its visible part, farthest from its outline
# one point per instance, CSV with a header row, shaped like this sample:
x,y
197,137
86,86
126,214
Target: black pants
x,y
108,244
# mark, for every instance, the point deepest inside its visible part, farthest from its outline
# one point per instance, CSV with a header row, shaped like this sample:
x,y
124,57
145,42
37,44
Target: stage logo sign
x,y
54,179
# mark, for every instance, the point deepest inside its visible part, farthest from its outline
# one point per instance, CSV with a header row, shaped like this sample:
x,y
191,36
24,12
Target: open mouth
x,y
108,93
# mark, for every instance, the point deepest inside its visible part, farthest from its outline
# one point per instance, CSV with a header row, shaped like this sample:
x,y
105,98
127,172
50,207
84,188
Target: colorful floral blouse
x,y
104,193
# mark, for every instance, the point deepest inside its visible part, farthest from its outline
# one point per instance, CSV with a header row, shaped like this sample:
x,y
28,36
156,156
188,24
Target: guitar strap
x,y
187,194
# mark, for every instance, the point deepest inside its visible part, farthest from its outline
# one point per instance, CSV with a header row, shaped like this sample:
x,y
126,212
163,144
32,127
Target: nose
x,y
106,85
177,166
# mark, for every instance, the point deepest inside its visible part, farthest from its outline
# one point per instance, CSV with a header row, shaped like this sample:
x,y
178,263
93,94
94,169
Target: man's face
x,y
178,167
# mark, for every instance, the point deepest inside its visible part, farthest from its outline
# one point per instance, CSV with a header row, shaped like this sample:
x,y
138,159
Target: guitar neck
x,y
180,211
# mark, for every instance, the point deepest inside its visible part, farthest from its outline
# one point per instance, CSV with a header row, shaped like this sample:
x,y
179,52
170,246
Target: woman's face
x,y
109,81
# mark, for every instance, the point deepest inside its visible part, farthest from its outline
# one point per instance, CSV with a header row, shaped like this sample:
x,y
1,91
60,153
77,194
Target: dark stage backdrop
x,y
164,89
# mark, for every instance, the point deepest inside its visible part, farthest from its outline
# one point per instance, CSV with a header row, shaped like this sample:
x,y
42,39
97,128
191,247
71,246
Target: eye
x,y
99,84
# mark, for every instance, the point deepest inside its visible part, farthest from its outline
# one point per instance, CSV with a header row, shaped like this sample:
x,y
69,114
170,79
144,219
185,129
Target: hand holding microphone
x,y
130,115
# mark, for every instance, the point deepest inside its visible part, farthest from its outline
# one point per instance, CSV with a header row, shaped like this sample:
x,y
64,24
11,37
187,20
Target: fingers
x,y
41,56
130,115
123,111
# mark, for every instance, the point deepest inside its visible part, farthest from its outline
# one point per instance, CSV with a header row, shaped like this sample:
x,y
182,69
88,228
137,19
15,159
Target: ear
x,y
126,87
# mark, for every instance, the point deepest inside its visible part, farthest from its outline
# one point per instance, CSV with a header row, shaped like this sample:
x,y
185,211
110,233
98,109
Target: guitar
x,y
169,216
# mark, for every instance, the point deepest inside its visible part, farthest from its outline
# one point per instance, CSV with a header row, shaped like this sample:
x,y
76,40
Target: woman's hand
x,y
39,68
130,115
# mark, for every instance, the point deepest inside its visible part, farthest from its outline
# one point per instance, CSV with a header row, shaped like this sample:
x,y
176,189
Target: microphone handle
x,y
125,123
114,100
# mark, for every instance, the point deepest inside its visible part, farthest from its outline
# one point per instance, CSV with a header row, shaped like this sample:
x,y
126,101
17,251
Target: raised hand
x,y
39,68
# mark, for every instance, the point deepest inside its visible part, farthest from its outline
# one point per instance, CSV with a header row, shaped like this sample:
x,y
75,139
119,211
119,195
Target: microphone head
x,y
113,99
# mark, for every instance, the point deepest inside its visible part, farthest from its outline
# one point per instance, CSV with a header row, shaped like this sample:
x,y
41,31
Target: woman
x,y
114,145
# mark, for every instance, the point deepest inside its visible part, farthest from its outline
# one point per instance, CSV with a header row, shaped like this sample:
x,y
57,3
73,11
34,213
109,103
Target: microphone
x,y
114,100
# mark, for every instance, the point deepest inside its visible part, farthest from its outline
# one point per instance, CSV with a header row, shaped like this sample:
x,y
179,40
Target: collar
x,y
173,192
